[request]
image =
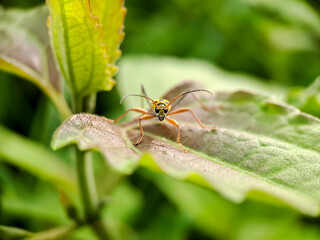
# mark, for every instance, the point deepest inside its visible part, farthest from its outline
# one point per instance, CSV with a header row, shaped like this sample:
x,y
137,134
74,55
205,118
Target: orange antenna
x,y
185,93
136,95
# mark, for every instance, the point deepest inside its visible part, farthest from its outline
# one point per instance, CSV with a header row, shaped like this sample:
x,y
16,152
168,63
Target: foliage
x,y
257,174
260,146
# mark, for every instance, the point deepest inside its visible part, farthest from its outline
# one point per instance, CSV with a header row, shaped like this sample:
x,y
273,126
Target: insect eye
x,y
157,110
165,110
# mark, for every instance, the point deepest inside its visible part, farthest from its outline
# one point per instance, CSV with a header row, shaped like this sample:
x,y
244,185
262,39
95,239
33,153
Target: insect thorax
x,y
158,108
160,103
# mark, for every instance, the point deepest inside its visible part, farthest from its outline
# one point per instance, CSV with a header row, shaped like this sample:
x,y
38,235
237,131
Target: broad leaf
x,y
76,40
25,51
111,15
34,158
261,148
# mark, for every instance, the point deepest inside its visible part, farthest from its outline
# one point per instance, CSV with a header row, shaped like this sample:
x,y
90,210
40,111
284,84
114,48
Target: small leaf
x,y
34,158
111,15
261,148
76,40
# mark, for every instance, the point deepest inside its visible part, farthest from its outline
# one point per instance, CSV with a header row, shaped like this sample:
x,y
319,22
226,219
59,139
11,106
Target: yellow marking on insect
x,y
159,108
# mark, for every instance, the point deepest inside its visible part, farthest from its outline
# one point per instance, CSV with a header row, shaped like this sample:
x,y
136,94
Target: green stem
x,y
90,103
77,104
89,194
86,181
86,185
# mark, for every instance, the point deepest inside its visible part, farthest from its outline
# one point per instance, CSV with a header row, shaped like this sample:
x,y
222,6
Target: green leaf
x,y
76,40
262,149
40,201
307,100
25,51
293,11
111,15
34,158
215,216
12,233
54,233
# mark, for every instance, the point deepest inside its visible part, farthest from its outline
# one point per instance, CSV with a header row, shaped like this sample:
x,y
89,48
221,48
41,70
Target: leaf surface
x,y
76,39
261,148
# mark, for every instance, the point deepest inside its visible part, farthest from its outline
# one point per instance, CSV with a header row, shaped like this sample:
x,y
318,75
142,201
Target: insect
x,y
162,109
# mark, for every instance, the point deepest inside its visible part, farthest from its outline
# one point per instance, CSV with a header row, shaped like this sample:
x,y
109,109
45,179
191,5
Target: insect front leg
x,y
175,123
182,110
139,110
143,117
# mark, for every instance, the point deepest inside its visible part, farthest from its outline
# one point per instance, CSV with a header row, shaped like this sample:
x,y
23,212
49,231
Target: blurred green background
x,y
277,41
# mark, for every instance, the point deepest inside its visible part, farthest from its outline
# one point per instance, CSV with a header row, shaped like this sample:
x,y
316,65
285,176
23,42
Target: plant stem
x,y
90,103
89,196
86,185
77,104
86,181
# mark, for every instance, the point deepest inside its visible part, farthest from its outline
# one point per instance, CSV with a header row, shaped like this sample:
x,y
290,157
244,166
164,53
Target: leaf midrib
x,y
67,46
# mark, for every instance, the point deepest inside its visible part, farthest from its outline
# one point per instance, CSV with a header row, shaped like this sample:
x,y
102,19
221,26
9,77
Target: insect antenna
x,y
135,95
143,90
185,93
177,102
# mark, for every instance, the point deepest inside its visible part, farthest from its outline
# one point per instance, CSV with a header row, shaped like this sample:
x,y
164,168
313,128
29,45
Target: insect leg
x,y
139,110
143,117
182,110
175,123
